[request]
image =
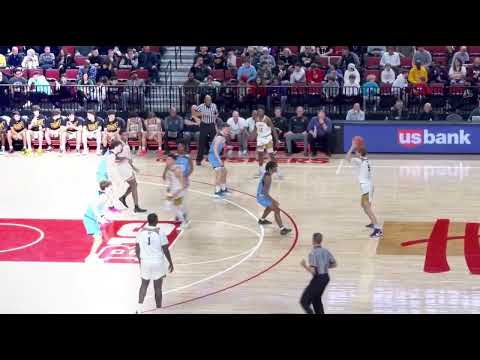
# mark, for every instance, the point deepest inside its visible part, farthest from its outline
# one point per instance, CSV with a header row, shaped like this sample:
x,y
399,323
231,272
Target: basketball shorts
x,y
35,134
125,171
54,133
92,135
367,188
152,270
214,162
17,136
152,135
71,135
263,201
91,226
265,144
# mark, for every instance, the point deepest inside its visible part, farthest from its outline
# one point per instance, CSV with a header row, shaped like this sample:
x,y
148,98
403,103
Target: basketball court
x,y
224,261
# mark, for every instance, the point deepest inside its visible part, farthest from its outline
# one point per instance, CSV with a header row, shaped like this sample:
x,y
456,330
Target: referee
x,y
320,260
208,112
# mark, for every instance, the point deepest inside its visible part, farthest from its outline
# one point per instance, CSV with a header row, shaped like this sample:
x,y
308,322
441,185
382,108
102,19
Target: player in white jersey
x,y
123,159
152,253
176,187
265,133
366,185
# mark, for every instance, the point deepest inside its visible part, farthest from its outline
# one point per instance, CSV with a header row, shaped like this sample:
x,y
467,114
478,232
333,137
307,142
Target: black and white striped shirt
x,y
209,113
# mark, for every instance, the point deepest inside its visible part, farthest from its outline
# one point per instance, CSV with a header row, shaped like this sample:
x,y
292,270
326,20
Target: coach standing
x,y
319,261
206,114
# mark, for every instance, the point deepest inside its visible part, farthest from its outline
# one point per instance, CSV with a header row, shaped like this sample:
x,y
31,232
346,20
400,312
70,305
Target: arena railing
x,y
376,103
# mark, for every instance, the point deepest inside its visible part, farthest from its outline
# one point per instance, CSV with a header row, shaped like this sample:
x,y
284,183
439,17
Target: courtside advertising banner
x,y
414,138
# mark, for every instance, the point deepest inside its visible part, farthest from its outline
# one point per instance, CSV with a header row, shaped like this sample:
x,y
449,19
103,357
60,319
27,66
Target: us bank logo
x,y
411,138
435,241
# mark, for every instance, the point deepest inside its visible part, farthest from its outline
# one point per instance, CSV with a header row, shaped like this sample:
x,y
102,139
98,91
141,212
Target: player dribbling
x,y
265,134
366,183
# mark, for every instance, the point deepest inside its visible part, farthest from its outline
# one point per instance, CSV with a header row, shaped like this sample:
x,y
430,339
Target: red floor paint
x,y
436,256
66,240
472,248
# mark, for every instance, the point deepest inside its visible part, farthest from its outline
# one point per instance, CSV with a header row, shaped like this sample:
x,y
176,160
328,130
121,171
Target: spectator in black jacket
x,y
297,130
4,99
150,61
427,114
106,70
437,74
348,57
280,123
95,58
64,61
205,55
15,59
200,70
398,112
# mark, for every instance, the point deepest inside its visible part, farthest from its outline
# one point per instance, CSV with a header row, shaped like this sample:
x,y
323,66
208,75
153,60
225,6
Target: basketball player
x,y
111,129
265,200
123,159
151,249
54,129
95,217
265,130
73,130
136,131
214,158
92,129
4,128
173,174
366,184
319,261
17,131
153,131
36,128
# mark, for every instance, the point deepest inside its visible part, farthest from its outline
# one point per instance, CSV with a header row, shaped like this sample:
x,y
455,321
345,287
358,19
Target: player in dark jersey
x,y
4,128
36,128
92,129
17,131
54,129
73,131
111,129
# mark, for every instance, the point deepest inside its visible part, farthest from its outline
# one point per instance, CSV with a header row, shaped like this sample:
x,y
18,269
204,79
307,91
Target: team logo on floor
x,y
66,241
433,241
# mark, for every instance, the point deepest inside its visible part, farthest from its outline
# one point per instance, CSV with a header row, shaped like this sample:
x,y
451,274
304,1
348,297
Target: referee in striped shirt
x,y
206,114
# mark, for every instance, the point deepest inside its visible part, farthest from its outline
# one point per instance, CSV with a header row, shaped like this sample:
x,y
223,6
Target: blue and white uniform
x,y
91,218
183,161
262,198
102,173
212,159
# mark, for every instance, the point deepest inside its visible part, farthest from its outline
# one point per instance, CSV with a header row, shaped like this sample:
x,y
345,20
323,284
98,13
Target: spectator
x,y
371,90
191,131
3,61
455,116
376,50
401,81
287,57
253,56
210,87
18,88
87,69
129,60
95,58
231,60
15,59
335,72
427,114
265,74
150,61
281,125
4,99
205,55
31,60
417,71
351,88
266,57
352,70
473,73
423,56
388,75
348,58
331,88
64,61
314,75
277,94
462,55
238,131
457,72
390,57
298,75
281,72
398,112
190,87
47,59
246,72
324,50
475,112
421,90
83,50
106,70
307,56
63,91
173,125
39,88
114,57
297,130
219,59
200,70
437,73
355,113
85,89
319,129
135,91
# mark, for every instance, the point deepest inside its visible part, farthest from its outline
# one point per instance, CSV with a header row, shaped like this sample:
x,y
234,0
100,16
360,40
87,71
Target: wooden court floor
x,y
226,263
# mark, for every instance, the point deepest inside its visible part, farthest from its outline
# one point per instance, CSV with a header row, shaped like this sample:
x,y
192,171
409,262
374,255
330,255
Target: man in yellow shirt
x,y
417,72
3,61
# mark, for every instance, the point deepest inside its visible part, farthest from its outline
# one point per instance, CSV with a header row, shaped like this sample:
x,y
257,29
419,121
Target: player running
x,y
176,188
265,200
94,218
265,134
214,158
366,184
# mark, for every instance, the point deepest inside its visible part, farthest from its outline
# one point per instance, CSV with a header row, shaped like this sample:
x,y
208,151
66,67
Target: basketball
x,y
358,141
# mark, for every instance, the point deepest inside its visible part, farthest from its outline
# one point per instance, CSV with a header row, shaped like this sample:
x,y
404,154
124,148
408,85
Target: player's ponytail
x,y
270,166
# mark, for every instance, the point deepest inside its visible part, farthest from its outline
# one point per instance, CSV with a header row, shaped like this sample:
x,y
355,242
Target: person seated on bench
x,y
238,131
319,130
173,125
297,130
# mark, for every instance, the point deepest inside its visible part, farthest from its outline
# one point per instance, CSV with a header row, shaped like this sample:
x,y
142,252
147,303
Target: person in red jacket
x,y
315,75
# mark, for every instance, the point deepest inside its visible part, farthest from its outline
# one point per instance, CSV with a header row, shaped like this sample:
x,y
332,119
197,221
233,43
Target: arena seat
x,y
69,50
473,51
32,72
437,50
143,74
71,74
80,60
123,74
406,62
335,60
323,62
373,62
52,74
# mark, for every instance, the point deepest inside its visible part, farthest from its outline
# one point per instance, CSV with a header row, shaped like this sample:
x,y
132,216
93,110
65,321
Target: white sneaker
x,y
139,309
245,152
239,153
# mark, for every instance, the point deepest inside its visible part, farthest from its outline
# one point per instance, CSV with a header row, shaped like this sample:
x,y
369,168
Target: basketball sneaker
x,y
219,194
2,151
376,233
264,222
10,151
138,209
285,231
49,148
226,191
370,226
39,152
27,152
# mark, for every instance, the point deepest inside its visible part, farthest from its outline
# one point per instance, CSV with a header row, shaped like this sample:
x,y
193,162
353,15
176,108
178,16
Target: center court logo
x,y
411,138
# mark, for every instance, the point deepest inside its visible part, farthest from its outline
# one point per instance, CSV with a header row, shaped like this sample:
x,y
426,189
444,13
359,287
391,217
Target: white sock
x,y
3,148
217,188
223,187
376,227
139,308
180,216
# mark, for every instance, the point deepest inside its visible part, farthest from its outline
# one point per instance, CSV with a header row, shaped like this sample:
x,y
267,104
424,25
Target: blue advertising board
x,y
415,138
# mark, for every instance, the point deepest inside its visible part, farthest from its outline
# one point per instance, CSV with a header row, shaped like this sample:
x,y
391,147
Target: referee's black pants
x,y
312,295
207,133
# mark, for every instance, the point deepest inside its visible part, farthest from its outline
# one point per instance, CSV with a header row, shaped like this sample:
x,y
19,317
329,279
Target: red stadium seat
x,y
334,59
32,72
437,50
337,51
80,60
69,50
385,89
239,61
294,49
323,62
437,89
52,74
228,74
71,74
143,74
7,72
373,62
406,62
123,74
218,75
155,49
440,60
473,51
